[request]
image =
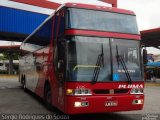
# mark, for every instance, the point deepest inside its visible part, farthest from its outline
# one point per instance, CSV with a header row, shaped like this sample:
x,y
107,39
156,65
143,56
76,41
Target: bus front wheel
x,y
48,97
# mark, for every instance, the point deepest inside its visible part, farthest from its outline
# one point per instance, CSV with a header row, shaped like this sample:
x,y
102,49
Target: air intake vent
x,y
121,91
101,91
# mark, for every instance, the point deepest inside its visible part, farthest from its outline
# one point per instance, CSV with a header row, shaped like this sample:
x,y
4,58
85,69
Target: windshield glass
x,y
127,51
83,56
83,53
101,20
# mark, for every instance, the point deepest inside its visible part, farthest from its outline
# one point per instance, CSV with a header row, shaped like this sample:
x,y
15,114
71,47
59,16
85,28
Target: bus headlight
x,y
78,92
137,91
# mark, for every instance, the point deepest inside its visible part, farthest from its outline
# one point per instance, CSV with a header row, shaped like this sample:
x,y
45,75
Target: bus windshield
x,y
101,20
83,54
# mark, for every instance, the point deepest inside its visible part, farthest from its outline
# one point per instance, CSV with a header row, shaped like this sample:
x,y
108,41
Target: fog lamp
x,y
81,104
77,104
137,101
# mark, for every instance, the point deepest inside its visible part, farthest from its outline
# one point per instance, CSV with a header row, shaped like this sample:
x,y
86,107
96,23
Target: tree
x,y
8,54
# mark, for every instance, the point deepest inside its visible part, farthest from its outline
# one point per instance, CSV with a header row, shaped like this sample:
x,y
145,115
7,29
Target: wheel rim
x,y
48,97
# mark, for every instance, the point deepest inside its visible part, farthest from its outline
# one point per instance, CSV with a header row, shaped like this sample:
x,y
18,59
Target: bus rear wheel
x,y
24,82
48,97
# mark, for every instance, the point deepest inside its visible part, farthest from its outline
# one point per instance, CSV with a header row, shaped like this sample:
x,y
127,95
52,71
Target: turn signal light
x,y
78,92
69,91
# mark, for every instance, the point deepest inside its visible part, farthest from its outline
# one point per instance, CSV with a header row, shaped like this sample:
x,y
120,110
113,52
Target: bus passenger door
x,y
60,71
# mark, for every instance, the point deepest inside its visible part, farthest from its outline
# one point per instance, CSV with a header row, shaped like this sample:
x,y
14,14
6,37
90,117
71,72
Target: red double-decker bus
x,y
85,59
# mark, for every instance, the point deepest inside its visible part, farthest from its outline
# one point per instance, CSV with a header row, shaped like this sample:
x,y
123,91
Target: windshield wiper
x,y
99,63
121,60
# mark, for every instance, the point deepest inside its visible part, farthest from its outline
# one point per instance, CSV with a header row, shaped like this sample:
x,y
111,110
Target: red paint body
x,y
97,101
102,34
38,67
113,2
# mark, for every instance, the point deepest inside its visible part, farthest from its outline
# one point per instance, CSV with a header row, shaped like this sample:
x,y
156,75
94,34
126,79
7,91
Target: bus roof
x,y
97,7
84,6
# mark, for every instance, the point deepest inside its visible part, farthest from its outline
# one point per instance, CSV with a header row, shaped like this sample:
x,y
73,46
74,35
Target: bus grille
x,y
108,91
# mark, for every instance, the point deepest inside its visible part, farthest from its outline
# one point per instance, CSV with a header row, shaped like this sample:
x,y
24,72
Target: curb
x,y
8,76
152,84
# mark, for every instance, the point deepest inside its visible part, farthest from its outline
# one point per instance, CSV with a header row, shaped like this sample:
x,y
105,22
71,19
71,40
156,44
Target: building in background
x,y
156,58
152,68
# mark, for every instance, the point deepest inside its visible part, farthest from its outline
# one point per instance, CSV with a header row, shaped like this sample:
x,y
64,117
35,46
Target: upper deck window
x,y
101,21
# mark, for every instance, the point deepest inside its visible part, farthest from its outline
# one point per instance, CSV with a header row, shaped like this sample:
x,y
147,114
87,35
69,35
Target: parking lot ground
x,y
8,81
13,100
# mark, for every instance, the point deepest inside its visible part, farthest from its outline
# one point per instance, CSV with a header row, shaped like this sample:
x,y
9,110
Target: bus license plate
x,y
111,103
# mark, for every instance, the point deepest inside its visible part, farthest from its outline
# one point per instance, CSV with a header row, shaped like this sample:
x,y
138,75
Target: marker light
x,y
137,91
74,4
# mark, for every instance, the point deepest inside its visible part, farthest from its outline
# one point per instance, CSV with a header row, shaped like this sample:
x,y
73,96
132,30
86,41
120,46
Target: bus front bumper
x,y
103,104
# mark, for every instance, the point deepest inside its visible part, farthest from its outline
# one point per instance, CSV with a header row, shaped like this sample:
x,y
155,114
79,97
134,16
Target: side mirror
x,y
145,56
61,71
60,65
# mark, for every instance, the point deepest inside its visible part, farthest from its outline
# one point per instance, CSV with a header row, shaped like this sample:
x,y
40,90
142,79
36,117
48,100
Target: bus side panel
x,y
41,67
33,67
45,69
28,70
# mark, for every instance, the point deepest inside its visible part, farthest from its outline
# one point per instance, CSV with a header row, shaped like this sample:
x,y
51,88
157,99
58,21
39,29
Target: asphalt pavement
x,y
22,105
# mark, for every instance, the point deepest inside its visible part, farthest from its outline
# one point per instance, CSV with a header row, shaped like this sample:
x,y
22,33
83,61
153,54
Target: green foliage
x,y
2,58
7,55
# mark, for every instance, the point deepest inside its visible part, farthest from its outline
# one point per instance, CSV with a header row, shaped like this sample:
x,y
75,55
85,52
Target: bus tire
x,y
21,80
48,97
24,83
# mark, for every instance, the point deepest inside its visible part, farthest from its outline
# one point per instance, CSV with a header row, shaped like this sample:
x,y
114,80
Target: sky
x,y
147,11
93,2
148,15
